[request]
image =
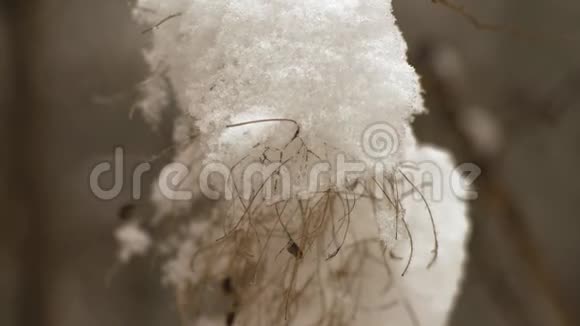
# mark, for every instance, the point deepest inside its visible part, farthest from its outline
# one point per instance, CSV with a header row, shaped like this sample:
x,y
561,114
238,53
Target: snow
x,y
306,85
133,241
310,61
432,291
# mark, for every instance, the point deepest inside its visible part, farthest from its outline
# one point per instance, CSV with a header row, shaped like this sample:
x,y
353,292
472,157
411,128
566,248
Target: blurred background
x,y
502,82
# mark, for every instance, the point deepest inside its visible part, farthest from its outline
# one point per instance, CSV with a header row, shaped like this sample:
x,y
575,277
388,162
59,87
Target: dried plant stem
x,y
490,27
161,22
432,220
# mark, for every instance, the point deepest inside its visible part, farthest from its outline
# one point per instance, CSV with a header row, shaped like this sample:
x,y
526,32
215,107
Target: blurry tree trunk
x,y
23,121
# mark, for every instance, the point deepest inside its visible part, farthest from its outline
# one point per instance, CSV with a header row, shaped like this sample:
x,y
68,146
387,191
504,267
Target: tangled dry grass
x,y
313,258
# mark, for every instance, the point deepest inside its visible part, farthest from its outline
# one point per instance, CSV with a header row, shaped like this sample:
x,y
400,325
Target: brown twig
x,y
491,27
161,22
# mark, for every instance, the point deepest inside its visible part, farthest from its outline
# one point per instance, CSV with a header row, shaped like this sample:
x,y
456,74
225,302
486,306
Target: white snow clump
x,y
299,86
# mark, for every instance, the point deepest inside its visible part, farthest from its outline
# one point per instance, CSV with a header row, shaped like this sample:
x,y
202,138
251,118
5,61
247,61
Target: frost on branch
x,y
294,144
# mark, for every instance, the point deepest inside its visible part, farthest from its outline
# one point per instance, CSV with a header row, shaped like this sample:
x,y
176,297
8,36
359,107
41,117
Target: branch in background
x,y
539,109
471,18
492,187
490,27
